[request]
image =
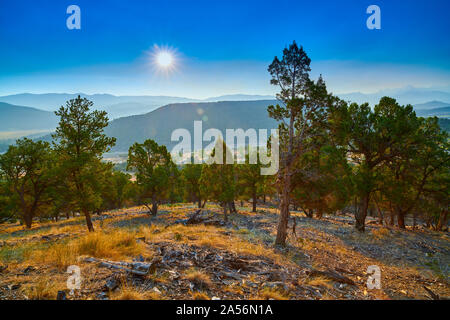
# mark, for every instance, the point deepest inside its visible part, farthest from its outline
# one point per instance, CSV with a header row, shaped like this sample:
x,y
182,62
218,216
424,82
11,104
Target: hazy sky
x,y
221,47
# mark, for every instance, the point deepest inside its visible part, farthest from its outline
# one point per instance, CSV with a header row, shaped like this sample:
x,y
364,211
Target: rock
x,y
156,290
46,238
61,295
111,284
140,266
215,298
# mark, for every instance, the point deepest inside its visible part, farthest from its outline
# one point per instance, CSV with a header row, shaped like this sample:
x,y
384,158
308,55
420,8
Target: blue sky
x,y
222,47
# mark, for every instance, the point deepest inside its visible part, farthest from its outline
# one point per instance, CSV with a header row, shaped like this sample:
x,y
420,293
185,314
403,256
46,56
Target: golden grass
x,y
115,245
197,295
271,294
127,293
198,277
43,289
381,233
234,288
320,282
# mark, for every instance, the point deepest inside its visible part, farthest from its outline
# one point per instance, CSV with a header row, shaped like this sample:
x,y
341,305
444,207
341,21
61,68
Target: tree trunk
x,y
154,210
284,211
320,214
233,207
199,202
442,220
254,202
380,214
225,216
401,219
360,215
89,221
28,219
264,198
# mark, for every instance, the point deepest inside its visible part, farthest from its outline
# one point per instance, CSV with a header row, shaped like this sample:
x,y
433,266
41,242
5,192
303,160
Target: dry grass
x,y
43,289
127,293
197,295
381,233
320,282
60,255
198,278
115,245
234,289
271,294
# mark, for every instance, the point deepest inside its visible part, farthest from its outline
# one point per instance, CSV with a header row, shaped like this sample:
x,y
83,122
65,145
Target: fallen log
x,y
137,268
117,267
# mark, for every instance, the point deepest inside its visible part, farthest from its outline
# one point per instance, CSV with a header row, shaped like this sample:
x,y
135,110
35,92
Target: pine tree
x,y
80,143
156,174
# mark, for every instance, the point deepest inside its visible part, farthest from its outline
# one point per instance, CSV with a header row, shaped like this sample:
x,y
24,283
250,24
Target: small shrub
x,y
177,236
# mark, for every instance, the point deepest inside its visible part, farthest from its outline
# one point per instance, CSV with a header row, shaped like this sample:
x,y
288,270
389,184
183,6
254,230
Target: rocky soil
x,y
196,255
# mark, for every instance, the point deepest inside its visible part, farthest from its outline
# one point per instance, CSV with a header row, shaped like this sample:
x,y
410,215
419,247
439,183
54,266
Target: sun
x,y
164,59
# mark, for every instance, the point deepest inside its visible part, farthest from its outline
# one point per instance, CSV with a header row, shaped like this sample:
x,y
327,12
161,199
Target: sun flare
x,y
164,60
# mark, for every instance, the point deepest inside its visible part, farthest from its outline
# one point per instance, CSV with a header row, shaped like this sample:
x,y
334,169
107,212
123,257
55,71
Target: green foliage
x,y
191,174
28,172
322,182
217,181
156,174
250,181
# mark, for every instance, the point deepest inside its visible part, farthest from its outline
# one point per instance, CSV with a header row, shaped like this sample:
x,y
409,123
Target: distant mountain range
x,y
20,118
116,106
406,95
443,112
159,124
